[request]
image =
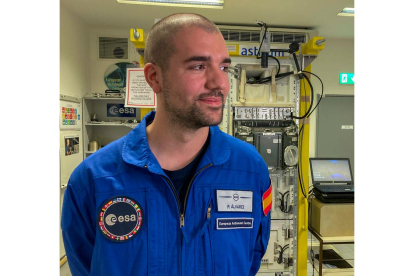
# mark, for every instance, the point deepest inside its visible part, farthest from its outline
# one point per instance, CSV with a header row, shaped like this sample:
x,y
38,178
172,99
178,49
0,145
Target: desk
x,y
329,240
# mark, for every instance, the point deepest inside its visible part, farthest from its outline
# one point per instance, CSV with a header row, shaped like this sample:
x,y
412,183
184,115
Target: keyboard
x,y
336,188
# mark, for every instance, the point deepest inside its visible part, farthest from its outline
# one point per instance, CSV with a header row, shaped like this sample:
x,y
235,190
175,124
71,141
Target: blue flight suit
x,y
123,184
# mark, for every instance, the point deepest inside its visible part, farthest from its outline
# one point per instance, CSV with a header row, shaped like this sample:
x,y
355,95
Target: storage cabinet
x,y
106,120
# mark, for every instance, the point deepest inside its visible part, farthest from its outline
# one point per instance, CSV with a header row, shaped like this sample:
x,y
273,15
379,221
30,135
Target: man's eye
x,y
224,68
198,67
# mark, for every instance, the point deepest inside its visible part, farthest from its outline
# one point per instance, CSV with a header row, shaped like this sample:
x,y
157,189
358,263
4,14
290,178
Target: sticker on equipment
x,y
120,218
234,201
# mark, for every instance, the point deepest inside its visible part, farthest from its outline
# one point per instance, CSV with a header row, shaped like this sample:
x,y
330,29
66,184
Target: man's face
x,y
195,87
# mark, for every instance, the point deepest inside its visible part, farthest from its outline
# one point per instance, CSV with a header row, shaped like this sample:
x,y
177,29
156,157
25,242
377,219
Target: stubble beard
x,y
190,117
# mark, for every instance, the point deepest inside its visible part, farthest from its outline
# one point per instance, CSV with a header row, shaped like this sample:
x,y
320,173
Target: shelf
x,y
115,96
108,127
112,124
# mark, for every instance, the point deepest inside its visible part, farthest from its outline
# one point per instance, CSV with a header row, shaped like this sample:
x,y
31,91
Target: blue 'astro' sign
x,y
119,110
245,50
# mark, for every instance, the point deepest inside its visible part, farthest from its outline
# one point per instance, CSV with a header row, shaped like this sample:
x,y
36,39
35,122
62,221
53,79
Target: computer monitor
x,y
331,170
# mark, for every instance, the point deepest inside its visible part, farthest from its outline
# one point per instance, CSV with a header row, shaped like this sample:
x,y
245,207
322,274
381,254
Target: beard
x,y
186,114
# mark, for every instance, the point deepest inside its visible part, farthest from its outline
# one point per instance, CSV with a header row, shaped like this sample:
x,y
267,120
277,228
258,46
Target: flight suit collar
x,y
136,151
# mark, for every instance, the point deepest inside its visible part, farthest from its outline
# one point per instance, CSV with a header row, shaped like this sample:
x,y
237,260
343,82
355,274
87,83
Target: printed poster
x,y
70,115
138,92
71,145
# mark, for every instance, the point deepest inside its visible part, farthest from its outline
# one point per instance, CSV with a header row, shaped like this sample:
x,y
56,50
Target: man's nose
x,y
217,79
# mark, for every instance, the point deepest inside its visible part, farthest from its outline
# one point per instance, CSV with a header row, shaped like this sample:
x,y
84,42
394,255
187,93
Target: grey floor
x,y
345,250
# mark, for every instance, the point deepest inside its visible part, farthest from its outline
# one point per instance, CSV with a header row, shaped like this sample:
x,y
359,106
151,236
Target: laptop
x,y
332,180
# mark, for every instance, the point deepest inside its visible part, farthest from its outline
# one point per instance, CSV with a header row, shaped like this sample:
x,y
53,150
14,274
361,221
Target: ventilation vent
x,y
254,36
113,48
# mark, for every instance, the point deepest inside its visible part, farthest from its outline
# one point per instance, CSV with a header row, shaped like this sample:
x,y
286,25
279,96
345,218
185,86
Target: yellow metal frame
x,y
311,48
302,241
139,44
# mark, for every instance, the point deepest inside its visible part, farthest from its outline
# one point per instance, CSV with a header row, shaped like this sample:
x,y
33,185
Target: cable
x,y
278,68
321,92
310,107
260,47
284,207
300,156
311,250
282,249
267,79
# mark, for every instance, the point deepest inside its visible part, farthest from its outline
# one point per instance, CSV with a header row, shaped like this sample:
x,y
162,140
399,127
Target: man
x,y
176,196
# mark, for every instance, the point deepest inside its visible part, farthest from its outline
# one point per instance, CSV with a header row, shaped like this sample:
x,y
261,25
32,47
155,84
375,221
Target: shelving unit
x,y
107,128
324,243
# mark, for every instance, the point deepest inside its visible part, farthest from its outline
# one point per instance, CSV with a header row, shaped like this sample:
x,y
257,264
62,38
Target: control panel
x,y
263,113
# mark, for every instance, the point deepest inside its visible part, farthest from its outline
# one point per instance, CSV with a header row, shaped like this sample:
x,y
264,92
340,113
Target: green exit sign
x,y
346,78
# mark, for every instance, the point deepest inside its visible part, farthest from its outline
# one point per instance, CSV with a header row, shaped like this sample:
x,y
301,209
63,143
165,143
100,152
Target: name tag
x,y
234,201
233,223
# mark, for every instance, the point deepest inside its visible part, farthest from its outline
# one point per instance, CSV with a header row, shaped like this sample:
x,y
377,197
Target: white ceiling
x,y
320,15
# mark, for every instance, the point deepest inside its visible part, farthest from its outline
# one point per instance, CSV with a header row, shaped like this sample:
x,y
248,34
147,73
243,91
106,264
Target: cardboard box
x,y
332,219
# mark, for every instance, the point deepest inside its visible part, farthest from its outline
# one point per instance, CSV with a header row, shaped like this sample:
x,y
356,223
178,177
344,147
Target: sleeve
x,y
262,238
77,231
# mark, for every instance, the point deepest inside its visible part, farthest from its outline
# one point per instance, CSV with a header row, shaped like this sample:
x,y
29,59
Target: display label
x,y
119,110
233,223
234,201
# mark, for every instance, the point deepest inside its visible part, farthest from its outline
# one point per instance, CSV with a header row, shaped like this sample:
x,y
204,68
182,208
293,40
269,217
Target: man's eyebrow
x,y
198,58
205,58
226,60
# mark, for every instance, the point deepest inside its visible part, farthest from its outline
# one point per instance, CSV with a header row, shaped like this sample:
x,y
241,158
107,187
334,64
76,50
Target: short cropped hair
x,y
160,44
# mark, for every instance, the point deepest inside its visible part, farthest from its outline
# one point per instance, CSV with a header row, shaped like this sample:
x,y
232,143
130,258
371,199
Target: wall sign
x,y
346,78
119,110
250,50
138,92
70,115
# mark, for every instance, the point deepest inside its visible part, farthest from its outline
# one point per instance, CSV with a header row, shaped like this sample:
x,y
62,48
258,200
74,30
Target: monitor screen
x,y
324,170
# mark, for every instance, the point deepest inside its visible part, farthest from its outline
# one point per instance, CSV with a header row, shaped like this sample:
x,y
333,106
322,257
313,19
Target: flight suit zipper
x,y
177,198
188,191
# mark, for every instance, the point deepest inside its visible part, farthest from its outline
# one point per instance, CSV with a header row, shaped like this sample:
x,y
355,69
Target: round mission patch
x,y
120,218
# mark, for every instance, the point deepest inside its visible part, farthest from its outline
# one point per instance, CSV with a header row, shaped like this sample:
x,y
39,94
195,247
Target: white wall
x,y
337,57
74,66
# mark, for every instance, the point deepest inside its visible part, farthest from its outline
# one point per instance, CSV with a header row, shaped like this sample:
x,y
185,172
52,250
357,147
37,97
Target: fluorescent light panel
x,y
347,12
212,4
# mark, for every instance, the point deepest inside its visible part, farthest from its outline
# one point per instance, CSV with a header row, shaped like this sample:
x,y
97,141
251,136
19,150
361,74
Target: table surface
x,y
328,240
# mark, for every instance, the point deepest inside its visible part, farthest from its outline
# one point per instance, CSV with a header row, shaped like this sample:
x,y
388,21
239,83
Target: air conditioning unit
x,y
244,34
248,39
113,48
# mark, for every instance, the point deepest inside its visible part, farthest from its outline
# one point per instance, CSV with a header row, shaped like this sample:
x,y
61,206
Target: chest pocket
x,y
226,241
128,233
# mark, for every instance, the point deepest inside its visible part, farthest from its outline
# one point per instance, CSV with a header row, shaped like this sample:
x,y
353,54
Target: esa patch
x,y
120,218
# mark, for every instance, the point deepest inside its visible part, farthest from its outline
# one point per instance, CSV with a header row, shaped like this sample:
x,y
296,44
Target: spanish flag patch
x,y
267,200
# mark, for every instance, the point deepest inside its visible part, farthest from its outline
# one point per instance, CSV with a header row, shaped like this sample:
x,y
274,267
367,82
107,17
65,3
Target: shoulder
x,y
244,155
104,162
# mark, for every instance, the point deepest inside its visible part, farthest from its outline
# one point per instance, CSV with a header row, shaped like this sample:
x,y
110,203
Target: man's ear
x,y
153,77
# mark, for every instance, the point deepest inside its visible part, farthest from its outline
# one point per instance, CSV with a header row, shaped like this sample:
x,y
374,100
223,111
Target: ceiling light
x,y
212,4
346,12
